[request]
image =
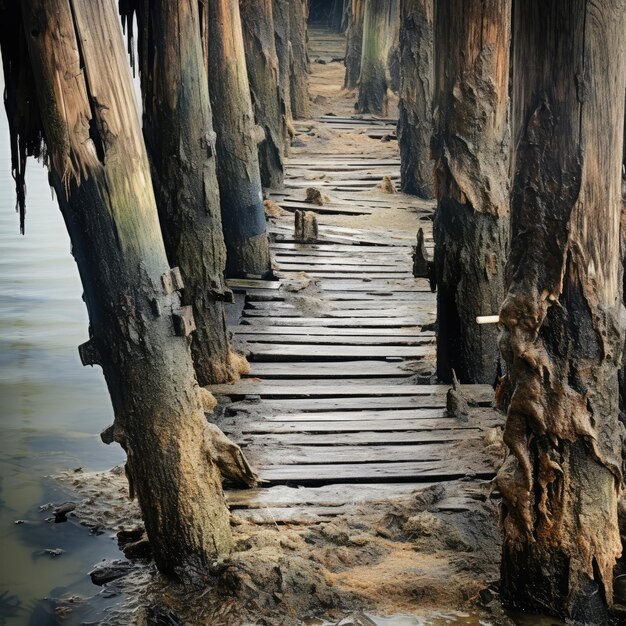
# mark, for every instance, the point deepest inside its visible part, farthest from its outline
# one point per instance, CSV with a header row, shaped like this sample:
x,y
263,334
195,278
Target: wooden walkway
x,y
332,414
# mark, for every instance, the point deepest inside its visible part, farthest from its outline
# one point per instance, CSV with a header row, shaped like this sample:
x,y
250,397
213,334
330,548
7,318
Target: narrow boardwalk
x,y
337,409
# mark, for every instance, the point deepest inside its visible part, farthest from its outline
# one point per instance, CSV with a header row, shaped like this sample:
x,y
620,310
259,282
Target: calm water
x,y
51,408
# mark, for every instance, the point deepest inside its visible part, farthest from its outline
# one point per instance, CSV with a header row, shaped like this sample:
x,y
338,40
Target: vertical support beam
x,y
415,122
563,317
280,13
239,176
298,15
471,151
178,130
354,43
263,74
373,78
393,46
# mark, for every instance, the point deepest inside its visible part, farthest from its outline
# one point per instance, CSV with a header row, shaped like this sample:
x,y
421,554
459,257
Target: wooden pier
x,y
337,410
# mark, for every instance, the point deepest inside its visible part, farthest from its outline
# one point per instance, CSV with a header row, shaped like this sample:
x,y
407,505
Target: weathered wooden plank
x,y
369,416
403,437
355,269
288,260
442,470
256,330
335,496
287,274
339,248
382,304
338,322
477,393
294,454
417,318
332,369
350,403
248,340
290,351
339,296
347,428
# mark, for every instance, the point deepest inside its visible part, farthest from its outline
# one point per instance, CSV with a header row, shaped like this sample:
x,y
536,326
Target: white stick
x,y
487,319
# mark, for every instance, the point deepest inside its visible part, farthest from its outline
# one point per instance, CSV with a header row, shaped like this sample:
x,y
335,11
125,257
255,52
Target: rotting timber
x,y
563,317
470,147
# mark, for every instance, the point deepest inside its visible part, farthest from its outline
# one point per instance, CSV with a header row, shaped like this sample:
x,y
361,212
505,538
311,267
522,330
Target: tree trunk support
x,y
415,122
239,176
263,74
373,81
470,147
563,316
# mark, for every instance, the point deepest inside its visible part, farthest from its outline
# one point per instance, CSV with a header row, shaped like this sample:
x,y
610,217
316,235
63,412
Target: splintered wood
x,y
339,406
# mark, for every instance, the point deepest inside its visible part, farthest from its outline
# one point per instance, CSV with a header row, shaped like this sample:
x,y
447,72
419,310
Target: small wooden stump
x,y
305,226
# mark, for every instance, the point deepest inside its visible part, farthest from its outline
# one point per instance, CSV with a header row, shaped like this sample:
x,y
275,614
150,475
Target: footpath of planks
x,y
331,414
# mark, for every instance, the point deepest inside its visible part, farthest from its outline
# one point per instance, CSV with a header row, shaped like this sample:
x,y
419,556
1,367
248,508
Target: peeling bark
x,y
373,81
354,44
179,136
563,316
299,64
263,74
415,122
280,13
470,146
99,167
239,176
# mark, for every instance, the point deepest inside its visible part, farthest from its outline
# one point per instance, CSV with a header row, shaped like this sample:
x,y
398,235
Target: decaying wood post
x,y
415,122
299,66
280,13
239,176
263,74
305,226
393,46
354,43
336,16
178,131
470,146
563,319
99,167
373,81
